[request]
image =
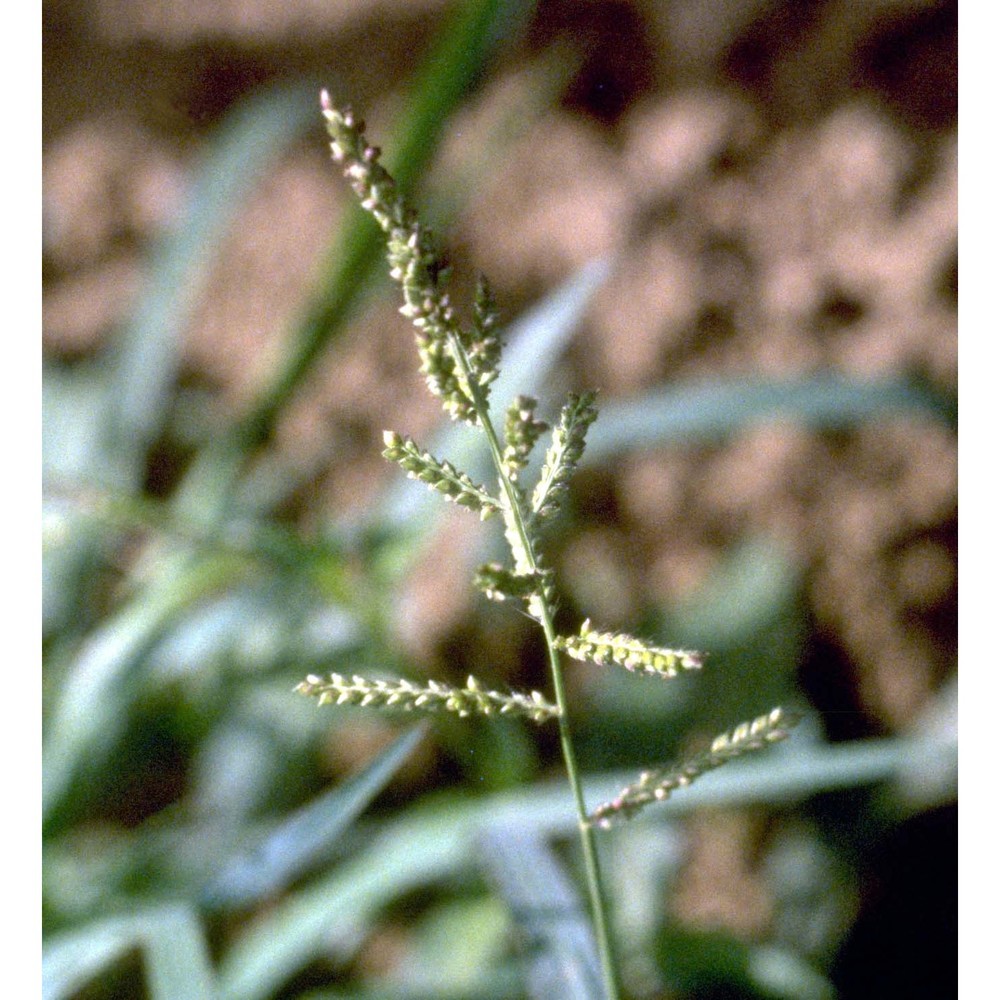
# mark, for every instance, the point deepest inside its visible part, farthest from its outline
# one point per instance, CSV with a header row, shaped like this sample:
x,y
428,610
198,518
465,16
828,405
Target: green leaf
x,y
307,834
555,931
455,944
711,411
93,697
505,981
148,354
437,840
697,963
172,941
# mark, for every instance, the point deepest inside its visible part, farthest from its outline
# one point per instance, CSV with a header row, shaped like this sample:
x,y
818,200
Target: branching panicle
x,y
401,694
656,786
438,474
564,454
459,365
628,652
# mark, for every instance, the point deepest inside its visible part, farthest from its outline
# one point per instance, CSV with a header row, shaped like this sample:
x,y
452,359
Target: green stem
x,y
595,885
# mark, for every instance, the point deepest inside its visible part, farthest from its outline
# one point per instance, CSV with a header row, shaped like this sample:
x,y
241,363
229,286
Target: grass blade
x,y
306,835
93,698
170,937
711,411
177,962
561,952
149,352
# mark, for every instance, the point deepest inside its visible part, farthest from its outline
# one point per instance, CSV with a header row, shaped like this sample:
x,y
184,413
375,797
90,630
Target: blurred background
x,y
738,221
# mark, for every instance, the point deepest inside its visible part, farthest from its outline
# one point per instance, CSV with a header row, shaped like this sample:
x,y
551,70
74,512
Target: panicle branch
x,y
521,431
628,652
564,454
438,474
656,785
403,695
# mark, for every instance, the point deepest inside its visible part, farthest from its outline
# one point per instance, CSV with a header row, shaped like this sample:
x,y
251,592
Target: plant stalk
x,y
595,885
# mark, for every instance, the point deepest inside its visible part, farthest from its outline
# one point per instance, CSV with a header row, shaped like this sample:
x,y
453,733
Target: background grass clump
x,y
746,239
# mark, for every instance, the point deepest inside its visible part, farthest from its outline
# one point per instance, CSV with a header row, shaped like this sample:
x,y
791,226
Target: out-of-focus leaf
x,y
561,955
418,849
536,340
492,983
177,962
752,585
785,974
149,352
93,698
698,963
455,944
438,840
699,412
170,937
748,616
302,838
73,449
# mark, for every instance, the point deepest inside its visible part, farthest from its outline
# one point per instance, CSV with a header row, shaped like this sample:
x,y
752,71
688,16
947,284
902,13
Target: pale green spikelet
x,y
415,263
628,652
521,431
439,475
657,785
405,696
564,454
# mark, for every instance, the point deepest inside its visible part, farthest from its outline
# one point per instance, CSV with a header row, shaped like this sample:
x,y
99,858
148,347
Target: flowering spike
x,y
564,454
415,263
657,785
403,695
484,344
628,652
499,583
438,475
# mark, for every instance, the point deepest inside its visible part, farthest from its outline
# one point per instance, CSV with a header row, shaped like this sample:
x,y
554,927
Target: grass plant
x,y
195,844
459,362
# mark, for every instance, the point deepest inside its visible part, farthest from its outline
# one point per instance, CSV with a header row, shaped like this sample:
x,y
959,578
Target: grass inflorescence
x,y
459,363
